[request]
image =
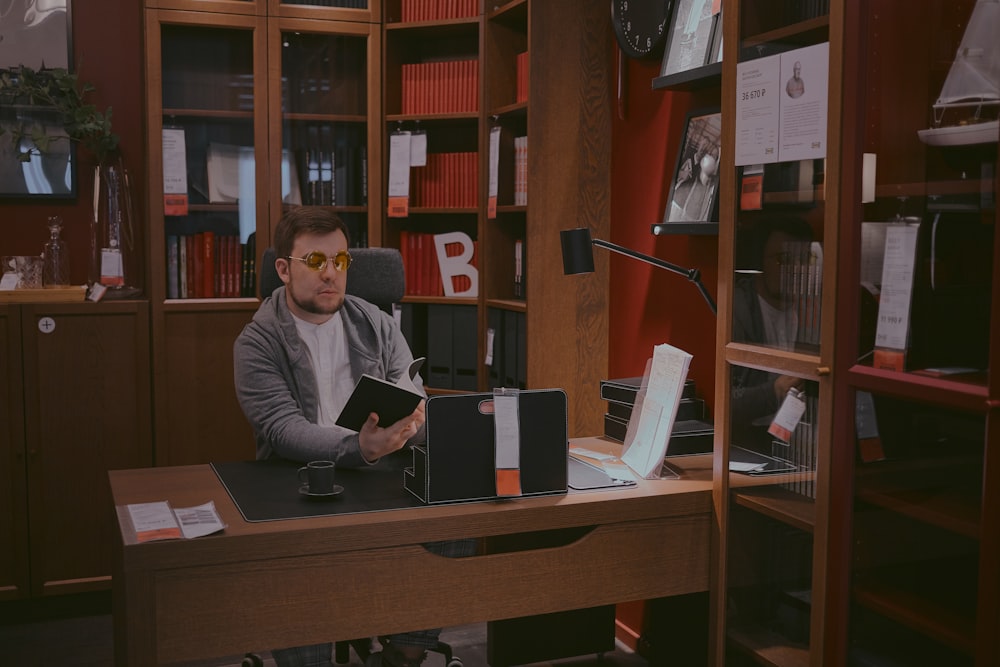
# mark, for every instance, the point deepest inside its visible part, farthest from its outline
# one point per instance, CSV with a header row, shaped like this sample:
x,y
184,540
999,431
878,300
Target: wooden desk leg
x,y
133,616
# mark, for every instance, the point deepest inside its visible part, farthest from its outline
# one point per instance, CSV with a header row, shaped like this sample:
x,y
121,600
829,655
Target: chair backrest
x,y
376,275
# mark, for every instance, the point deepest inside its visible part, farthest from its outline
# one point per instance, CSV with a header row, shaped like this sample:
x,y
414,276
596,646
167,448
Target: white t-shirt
x,y
780,325
328,352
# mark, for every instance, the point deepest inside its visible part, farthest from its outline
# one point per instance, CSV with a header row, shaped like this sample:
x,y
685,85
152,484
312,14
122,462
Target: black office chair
x,y
376,275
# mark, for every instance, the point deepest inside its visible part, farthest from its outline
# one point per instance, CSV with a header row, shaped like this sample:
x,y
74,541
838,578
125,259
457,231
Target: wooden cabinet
x,y
252,107
913,552
873,545
13,508
75,403
539,328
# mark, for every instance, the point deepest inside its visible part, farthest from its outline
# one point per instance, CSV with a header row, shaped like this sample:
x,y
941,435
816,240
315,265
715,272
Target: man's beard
x,y
310,305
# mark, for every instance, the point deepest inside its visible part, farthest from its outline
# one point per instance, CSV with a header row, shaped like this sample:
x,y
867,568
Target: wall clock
x,y
640,25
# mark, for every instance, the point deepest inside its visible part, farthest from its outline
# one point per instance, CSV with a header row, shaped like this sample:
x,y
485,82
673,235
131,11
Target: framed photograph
x,y
690,35
35,34
694,193
715,49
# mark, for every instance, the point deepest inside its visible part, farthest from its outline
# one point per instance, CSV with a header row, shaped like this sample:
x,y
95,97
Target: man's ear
x,y
282,266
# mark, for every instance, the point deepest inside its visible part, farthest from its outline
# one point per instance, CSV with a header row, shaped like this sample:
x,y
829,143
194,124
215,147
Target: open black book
x,y
390,401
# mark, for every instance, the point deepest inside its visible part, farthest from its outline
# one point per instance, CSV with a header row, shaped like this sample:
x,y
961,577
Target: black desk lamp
x,y
578,257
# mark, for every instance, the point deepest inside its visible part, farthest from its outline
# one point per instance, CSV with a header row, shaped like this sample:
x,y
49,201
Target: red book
x,y
208,265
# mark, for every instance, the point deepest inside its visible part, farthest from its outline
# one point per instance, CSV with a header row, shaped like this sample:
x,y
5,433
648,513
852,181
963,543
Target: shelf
x,y
769,648
924,601
208,113
517,305
969,396
514,13
443,28
326,117
780,504
781,361
956,510
511,208
429,210
970,186
518,109
706,76
810,31
431,118
450,300
248,304
684,228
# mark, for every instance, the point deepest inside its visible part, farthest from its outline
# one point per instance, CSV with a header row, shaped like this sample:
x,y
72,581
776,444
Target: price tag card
x,y
418,149
494,173
789,415
399,175
757,110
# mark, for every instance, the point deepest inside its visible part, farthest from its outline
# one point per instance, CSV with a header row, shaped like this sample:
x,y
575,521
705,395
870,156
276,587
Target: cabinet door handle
x,y
823,371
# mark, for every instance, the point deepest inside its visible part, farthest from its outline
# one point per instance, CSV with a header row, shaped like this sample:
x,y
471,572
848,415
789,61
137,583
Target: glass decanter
x,y
55,269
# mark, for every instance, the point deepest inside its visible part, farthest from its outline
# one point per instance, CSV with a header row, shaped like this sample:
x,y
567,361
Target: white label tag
x,y
789,415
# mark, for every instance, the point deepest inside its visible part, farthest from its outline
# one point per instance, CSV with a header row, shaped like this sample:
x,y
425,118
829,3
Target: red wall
x,y
650,305
107,52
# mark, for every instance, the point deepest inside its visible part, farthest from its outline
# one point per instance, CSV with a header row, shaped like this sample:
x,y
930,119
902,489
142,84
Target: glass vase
x,y
112,238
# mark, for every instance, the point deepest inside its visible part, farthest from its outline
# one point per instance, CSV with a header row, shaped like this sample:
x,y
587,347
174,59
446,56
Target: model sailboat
x,y
968,107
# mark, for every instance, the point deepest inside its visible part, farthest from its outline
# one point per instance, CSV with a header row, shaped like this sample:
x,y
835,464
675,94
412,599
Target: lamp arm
x,y
694,275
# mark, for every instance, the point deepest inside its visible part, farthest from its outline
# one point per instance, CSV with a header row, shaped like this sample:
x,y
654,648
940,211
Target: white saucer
x,y
337,490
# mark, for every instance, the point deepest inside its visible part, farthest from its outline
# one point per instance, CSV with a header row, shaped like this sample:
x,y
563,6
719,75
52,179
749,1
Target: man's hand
x,y
783,383
376,441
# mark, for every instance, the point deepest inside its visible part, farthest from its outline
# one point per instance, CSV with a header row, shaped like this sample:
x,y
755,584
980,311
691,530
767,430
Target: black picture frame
x,y
694,189
690,37
40,38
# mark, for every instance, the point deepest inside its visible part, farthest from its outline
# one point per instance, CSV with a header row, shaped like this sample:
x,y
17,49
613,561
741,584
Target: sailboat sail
x,y
973,82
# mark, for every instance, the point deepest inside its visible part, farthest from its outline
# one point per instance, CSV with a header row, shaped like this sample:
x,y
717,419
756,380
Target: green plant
x,y
58,92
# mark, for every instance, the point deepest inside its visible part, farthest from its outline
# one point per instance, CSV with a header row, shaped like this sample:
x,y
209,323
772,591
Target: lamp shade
x,y
577,251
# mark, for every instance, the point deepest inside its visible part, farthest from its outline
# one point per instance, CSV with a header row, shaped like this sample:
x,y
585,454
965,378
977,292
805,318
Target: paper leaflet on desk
x,y
655,409
159,521
609,463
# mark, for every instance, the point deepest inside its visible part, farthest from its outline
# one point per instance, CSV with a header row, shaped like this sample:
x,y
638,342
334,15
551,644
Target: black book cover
x,y
391,402
624,390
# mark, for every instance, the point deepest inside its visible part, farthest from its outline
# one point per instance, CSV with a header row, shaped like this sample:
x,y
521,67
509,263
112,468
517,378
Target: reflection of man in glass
x,y
764,314
795,87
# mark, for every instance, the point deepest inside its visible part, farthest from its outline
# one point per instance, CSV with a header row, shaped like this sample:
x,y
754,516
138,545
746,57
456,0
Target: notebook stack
x,y
692,432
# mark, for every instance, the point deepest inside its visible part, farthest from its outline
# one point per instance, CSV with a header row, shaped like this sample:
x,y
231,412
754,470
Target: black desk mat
x,y
269,490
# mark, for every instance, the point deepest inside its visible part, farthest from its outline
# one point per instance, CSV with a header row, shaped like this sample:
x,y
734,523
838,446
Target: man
x,y
795,86
764,314
695,199
296,364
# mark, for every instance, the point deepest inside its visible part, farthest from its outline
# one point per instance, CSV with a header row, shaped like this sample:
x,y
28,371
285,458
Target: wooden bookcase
x,y
877,548
283,95
562,320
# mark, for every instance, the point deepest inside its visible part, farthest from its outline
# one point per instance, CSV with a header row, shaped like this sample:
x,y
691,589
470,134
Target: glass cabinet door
x,y
324,101
774,228
919,279
212,156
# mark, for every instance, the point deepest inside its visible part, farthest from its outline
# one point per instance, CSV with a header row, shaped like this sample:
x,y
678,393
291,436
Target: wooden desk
x,y
259,586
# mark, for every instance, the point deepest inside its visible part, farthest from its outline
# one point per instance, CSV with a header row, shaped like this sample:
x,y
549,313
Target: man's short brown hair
x,y
306,220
